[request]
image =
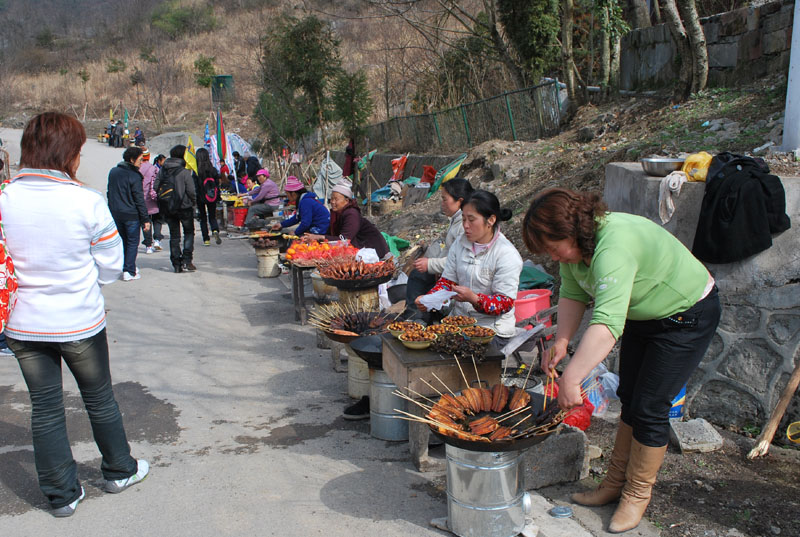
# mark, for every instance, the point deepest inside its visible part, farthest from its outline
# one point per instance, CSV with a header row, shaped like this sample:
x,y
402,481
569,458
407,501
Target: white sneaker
x,y
157,246
149,250
68,510
118,485
126,277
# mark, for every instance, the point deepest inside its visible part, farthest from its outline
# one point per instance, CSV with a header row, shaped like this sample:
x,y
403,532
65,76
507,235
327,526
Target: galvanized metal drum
x,y
485,493
357,375
384,422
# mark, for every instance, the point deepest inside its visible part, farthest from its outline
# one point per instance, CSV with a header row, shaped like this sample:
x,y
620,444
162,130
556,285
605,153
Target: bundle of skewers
x,y
356,270
485,415
342,320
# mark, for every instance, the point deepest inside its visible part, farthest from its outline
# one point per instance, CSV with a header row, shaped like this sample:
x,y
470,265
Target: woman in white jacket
x,y
483,266
428,269
65,246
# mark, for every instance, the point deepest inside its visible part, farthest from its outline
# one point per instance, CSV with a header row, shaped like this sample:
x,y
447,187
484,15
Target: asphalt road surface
x,y
232,403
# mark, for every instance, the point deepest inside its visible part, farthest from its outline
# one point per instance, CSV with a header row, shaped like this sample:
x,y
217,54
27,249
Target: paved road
x,y
232,403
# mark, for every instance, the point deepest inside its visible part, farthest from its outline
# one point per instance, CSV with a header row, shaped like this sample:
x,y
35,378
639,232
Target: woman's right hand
x,y
420,307
276,226
553,355
421,264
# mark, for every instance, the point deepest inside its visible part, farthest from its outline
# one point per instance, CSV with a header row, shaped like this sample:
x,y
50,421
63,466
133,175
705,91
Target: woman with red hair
x,y
65,247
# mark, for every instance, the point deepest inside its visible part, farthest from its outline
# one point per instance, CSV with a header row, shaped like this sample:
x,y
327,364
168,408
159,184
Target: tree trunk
x,y
566,51
657,18
684,59
697,43
641,15
605,54
616,51
500,45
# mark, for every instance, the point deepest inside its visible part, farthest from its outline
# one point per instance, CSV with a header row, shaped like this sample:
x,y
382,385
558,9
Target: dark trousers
x,y
656,359
419,283
129,233
87,359
154,233
208,217
184,218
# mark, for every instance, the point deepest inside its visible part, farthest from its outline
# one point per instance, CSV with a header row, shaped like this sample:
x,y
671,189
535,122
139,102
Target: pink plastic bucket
x,y
530,302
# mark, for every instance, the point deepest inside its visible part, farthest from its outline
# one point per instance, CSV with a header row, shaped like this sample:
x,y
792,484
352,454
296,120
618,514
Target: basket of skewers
x,y
343,325
357,274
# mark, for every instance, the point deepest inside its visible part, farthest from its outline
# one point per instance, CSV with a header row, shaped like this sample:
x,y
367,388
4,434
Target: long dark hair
x,y
486,204
204,167
51,141
558,214
458,188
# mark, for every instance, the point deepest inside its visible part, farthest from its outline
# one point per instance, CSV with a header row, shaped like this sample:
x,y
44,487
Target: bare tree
x,y
678,32
567,59
697,43
640,14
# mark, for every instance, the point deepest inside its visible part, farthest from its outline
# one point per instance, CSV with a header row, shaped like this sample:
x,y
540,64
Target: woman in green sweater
x,y
649,292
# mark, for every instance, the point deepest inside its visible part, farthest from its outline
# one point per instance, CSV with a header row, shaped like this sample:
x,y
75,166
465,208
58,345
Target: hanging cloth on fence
x,y
334,174
447,173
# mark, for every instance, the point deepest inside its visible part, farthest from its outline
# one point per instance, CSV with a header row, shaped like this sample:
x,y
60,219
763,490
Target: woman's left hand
x,y
569,394
465,294
421,264
314,237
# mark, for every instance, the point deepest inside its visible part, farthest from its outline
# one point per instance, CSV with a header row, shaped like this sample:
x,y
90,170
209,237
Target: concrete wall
x,y
743,45
758,341
381,165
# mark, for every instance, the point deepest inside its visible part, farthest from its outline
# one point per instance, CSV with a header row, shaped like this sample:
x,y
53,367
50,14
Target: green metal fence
x,y
526,114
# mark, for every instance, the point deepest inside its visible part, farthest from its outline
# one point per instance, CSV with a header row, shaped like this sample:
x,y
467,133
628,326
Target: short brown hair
x,y
52,141
558,214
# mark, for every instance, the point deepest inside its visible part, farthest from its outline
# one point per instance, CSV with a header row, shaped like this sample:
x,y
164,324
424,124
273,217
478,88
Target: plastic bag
x,y
696,166
596,394
367,255
437,300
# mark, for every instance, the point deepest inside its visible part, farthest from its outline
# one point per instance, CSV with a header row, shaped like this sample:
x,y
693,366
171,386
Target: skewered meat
x,y
484,425
500,395
475,399
519,399
486,399
464,402
458,346
500,433
357,270
453,411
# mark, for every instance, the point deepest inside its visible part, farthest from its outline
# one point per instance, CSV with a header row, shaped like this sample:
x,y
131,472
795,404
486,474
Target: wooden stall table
x,y
299,291
406,368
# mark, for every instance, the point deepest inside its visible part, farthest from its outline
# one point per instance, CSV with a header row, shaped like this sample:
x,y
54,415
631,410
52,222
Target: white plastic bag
x,y
367,255
437,300
597,394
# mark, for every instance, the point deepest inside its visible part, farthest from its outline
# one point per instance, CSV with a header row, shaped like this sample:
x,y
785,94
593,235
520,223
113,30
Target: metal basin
x,y
661,167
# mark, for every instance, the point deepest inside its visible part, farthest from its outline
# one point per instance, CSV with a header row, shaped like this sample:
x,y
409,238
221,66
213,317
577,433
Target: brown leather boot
x,y
643,466
610,488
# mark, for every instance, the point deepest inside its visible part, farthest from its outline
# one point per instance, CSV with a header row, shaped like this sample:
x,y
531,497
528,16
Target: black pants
x,y
656,359
154,232
419,283
208,217
184,218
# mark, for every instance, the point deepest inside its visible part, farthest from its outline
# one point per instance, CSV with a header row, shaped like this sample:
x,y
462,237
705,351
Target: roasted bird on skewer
x,y
357,270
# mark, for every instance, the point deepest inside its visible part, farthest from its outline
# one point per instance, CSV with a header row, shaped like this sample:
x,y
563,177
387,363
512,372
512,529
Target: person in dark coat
x,y
349,155
175,168
240,166
119,130
252,165
126,203
347,221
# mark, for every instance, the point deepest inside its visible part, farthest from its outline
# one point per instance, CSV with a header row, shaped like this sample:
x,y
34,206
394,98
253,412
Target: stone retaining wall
x,y
743,45
757,343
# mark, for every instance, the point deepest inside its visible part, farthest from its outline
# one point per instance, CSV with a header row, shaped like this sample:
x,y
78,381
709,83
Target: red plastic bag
x,y
580,416
428,174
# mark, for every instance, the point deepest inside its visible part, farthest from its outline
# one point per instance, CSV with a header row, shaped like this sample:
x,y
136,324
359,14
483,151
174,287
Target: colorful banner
x,y
191,160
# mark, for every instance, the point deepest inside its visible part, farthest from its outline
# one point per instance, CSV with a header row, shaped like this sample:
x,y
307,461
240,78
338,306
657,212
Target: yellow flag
x,y
110,114
191,161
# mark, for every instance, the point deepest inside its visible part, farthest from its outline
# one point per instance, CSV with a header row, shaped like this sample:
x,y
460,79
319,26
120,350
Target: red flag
x,y
222,142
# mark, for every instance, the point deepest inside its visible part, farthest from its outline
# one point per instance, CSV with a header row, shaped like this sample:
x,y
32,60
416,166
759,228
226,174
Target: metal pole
x,y
436,128
325,189
791,118
466,125
510,118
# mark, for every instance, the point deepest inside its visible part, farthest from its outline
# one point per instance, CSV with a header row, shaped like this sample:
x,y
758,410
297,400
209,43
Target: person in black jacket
x,y
126,202
252,165
174,170
207,196
240,166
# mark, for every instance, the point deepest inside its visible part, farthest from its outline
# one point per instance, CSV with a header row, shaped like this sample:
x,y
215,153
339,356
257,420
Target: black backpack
x,y
169,201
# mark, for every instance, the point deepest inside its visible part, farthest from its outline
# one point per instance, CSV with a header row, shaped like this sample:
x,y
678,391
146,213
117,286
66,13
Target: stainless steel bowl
x,y
661,167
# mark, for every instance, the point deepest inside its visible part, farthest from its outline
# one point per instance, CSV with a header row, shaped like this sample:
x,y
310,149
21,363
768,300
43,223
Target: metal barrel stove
x,y
383,420
486,493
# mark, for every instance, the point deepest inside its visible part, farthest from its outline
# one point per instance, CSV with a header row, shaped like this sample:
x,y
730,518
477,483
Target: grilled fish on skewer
x,y
501,433
484,426
519,399
486,399
500,394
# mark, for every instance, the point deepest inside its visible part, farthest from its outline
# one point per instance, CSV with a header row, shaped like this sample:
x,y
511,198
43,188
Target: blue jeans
x,y
129,233
87,359
656,359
